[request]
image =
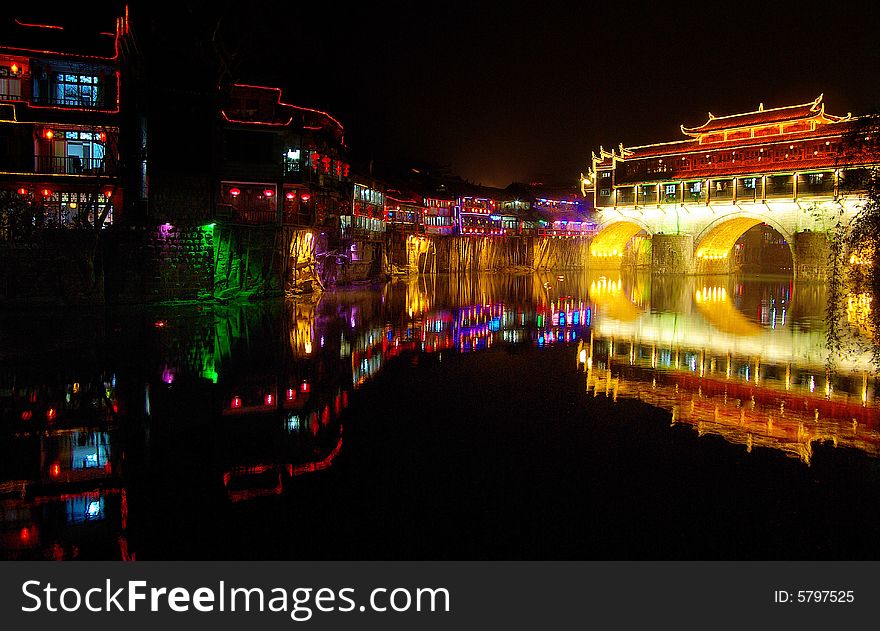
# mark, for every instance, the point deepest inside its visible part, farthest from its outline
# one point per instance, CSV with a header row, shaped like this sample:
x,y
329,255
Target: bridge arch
x,y
608,246
712,245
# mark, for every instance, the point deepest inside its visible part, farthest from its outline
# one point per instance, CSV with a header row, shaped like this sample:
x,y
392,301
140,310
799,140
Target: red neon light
x,y
23,191
280,102
235,192
49,134
55,470
269,399
24,535
46,192
52,26
108,193
319,465
304,386
291,394
236,403
51,413
27,415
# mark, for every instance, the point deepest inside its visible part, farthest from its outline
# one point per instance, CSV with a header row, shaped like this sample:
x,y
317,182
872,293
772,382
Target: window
x,y
605,192
78,152
10,84
815,179
292,160
77,209
750,183
670,190
76,89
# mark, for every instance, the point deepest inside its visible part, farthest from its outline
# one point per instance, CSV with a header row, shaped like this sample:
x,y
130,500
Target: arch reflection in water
x,y
763,380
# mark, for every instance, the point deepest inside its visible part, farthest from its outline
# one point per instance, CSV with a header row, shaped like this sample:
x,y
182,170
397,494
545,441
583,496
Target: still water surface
x,y
495,416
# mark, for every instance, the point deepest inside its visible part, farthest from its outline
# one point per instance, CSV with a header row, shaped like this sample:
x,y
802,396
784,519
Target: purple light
x,y
168,375
165,229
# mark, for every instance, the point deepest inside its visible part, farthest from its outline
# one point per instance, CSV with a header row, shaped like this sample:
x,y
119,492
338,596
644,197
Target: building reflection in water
x,y
61,494
248,399
766,380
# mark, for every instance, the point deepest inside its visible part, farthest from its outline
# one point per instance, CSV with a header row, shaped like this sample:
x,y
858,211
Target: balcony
x,y
747,189
72,165
254,216
81,102
815,185
721,191
780,187
625,197
647,196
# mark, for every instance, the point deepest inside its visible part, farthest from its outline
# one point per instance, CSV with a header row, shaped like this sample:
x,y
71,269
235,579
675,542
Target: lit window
x,y
76,89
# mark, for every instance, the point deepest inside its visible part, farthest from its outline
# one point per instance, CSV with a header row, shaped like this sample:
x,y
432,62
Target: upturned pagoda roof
x,y
792,113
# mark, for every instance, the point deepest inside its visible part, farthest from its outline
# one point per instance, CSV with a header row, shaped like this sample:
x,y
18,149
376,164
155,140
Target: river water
x,y
449,417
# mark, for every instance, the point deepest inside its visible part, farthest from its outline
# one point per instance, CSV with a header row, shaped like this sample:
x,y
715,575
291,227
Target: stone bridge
x,y
698,238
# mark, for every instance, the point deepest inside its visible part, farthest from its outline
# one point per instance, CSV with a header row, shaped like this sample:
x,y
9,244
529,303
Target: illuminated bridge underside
x,y
721,239
698,238
612,240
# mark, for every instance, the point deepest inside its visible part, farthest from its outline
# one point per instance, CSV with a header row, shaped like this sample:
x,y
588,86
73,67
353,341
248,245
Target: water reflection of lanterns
x,y
710,294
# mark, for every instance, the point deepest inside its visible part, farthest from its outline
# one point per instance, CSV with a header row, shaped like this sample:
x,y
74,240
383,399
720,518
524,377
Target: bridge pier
x,y
811,257
672,254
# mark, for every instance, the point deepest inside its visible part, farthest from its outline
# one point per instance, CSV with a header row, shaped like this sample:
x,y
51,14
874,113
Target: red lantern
x,y
305,198
235,192
49,134
268,192
289,195
108,193
14,68
46,192
23,191
236,403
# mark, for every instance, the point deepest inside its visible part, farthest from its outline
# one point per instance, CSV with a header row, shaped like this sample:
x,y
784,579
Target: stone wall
x,y
158,263
251,260
61,267
551,253
672,254
482,254
812,255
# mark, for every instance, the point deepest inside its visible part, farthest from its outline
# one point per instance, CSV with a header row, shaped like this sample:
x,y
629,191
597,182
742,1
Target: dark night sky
x,y
505,92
